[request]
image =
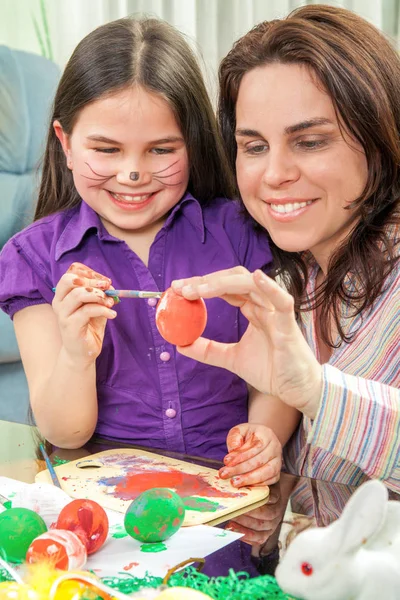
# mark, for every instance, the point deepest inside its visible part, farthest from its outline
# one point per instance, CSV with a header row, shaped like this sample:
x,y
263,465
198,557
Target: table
x,y
294,503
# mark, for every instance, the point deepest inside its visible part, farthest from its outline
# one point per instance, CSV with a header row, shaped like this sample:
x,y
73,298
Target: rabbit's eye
x,y
306,568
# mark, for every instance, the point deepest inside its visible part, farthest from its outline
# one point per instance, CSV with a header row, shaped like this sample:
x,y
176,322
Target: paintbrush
x,y
130,293
5,501
49,466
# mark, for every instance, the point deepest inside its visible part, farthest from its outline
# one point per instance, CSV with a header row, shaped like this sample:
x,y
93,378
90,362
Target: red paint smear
x,y
132,564
185,484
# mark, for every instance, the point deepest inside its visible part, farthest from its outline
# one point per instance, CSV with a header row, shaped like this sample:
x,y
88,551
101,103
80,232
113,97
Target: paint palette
x,y
116,477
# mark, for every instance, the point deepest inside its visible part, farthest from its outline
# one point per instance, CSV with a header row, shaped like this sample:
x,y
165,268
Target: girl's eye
x,y
162,150
106,150
306,569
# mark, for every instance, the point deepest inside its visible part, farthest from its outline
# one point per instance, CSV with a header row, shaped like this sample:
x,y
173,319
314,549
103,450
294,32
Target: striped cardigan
x,y
356,433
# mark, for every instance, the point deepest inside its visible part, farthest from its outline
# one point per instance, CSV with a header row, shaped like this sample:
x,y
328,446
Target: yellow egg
x,y
182,593
11,590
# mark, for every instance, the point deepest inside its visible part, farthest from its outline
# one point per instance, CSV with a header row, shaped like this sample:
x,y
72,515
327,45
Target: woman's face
x,y
297,171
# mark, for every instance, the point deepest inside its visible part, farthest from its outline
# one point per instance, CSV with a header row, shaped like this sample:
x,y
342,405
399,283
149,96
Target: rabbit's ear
x,y
363,516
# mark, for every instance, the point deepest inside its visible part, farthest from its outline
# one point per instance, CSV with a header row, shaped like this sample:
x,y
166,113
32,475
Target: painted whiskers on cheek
x,y
100,178
160,178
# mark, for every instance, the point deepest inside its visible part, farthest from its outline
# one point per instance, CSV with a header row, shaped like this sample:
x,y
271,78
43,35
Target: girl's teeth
x,y
130,199
288,208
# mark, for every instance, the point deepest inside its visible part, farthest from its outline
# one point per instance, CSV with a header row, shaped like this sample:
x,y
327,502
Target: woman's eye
x,y
311,144
258,149
163,150
106,150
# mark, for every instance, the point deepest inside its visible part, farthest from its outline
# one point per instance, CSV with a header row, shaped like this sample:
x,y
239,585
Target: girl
x,y
313,124
133,192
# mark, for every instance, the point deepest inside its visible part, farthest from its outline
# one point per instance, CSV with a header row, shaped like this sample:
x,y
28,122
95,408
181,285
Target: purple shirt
x,y
148,394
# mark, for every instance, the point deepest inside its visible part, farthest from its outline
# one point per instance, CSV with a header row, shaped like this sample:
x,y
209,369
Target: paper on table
x,y
120,553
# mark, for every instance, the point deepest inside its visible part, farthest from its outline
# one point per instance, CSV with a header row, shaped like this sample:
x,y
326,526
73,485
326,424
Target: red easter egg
x,y
180,321
88,520
62,549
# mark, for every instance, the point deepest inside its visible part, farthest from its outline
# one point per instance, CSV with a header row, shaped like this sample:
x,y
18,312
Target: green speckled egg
x,y
155,515
18,528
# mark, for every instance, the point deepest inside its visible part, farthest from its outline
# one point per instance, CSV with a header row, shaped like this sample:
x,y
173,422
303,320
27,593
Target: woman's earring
x,y
134,175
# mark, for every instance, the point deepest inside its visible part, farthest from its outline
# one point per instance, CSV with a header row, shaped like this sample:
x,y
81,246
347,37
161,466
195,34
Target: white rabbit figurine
x,y
355,558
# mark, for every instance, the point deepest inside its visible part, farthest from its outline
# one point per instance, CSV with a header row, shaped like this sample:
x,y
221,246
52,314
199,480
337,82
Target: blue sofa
x,y
27,86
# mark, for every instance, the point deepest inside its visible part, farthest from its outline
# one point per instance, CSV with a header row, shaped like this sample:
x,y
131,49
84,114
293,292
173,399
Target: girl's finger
x,y
267,474
263,456
83,315
85,271
237,436
69,281
80,296
250,535
248,450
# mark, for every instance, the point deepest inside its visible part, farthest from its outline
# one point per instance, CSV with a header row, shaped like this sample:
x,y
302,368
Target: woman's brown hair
x,y
361,72
147,52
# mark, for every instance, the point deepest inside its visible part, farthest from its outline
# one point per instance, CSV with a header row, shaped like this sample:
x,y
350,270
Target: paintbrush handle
x,y
49,466
5,501
130,293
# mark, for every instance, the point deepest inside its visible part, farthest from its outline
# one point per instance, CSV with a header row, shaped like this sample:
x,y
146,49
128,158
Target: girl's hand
x,y
272,355
82,309
258,525
254,456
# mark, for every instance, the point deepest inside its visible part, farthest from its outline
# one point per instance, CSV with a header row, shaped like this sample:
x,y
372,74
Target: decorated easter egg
x,y
154,515
18,528
88,520
180,321
11,590
182,593
62,549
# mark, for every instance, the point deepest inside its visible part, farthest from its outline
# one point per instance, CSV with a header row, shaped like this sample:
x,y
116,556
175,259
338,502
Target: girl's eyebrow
x,y
317,121
101,138
106,140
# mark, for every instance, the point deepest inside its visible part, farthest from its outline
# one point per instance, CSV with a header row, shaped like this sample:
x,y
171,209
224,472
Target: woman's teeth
x,y
290,207
130,199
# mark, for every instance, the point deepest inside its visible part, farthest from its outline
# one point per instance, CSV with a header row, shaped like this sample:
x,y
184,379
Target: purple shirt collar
x,y
86,218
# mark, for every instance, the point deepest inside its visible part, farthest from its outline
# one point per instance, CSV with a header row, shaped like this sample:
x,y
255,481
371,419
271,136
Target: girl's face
x,y
132,131
296,170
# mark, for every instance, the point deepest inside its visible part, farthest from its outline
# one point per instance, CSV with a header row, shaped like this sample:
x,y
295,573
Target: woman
x,y
311,117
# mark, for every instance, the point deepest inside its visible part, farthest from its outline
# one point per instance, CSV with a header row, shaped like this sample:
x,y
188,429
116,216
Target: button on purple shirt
x,y
148,394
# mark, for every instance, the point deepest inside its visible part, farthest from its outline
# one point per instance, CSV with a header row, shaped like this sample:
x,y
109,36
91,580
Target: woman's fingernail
x,y
177,284
228,459
223,473
102,284
187,289
203,288
236,481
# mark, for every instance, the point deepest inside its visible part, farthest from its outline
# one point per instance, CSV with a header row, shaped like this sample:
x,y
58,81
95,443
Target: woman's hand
x,y
272,355
82,309
254,456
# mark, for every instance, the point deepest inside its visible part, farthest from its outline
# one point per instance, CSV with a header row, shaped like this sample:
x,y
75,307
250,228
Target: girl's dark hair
x,y
361,72
147,52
